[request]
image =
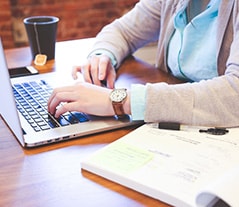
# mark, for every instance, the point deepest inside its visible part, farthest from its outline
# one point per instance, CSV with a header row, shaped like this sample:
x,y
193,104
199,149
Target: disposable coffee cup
x,y
41,32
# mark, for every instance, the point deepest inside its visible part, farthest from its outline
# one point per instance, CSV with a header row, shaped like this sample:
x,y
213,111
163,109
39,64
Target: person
x,y
198,42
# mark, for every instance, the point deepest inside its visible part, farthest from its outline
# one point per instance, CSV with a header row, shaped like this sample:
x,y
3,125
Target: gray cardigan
x,y
213,102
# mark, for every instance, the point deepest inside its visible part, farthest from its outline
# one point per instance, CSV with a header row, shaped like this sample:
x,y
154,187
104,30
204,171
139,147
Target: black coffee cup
x,y
41,32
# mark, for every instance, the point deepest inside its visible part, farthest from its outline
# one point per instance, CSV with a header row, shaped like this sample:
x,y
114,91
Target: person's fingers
x,y
74,71
107,72
97,70
94,70
63,108
86,72
111,77
59,95
104,63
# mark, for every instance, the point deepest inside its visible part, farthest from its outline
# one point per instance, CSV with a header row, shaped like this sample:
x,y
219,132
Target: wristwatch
x,y
117,97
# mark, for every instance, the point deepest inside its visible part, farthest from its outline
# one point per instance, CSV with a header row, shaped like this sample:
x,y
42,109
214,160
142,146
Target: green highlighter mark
x,y
123,158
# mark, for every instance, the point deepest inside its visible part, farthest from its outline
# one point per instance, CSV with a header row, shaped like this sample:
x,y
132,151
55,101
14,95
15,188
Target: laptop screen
x,y
7,104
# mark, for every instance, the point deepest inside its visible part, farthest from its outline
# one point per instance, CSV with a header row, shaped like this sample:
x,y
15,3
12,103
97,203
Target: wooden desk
x,y
51,176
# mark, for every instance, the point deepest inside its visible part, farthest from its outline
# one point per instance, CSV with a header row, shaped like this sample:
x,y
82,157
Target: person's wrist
x,y
106,52
126,105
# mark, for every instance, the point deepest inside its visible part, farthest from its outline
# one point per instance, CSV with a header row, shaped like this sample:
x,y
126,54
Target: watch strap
x,y
118,109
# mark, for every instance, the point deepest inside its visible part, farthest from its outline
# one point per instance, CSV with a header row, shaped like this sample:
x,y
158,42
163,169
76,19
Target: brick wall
x,y
78,19
6,24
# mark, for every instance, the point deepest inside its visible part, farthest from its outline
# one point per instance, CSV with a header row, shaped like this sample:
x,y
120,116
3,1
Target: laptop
x,y
23,107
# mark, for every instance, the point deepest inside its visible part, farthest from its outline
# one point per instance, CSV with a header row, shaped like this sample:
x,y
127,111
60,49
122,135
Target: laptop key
x,y
70,118
80,116
62,121
37,129
45,127
52,123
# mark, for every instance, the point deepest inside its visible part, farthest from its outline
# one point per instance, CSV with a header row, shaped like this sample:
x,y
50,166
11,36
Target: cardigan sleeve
x,y
133,30
210,102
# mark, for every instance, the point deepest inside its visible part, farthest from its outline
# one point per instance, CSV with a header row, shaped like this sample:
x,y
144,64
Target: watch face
x,y
118,95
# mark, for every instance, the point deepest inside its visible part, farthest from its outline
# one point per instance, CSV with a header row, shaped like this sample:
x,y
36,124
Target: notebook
x,y
23,107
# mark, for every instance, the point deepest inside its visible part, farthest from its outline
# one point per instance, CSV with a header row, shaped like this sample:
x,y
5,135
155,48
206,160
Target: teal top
x,y
192,48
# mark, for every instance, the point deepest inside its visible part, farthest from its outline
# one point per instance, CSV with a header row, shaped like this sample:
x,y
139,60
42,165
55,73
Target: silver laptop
x,y
23,107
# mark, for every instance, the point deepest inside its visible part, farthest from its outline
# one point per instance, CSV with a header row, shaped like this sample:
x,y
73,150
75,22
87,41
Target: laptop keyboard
x,y
31,100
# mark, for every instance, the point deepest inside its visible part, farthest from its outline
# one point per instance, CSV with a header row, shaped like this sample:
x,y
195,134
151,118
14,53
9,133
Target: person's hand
x,y
96,70
83,97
